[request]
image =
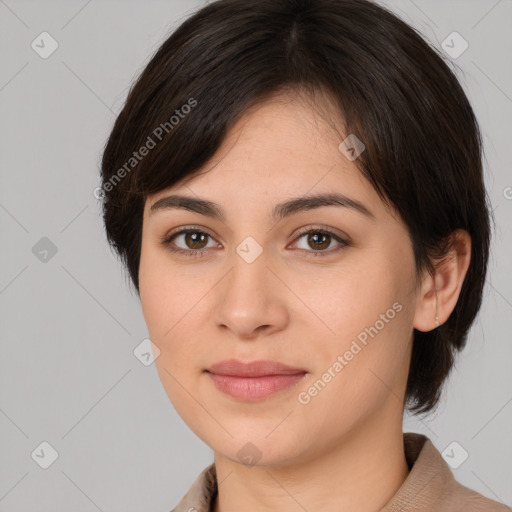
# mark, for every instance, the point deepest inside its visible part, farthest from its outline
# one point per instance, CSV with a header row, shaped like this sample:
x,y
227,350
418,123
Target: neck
x,y
361,472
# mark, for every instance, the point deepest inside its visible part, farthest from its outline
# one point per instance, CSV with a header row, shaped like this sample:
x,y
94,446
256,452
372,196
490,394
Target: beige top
x,y
429,486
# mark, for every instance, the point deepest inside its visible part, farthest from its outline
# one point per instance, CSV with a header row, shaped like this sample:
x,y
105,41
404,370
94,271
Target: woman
x,y
296,190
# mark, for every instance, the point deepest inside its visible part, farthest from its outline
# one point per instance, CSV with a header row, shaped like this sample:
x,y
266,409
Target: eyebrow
x,y
280,211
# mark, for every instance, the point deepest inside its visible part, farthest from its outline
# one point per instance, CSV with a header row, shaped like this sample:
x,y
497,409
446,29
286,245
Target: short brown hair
x,y
393,91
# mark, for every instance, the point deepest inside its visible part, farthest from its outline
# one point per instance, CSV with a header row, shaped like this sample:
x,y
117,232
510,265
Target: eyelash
x,y
166,242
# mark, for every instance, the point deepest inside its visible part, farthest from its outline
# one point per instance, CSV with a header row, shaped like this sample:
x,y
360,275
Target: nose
x,y
251,300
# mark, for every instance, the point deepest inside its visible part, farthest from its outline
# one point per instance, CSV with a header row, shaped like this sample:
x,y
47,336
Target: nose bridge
x,y
249,298
249,275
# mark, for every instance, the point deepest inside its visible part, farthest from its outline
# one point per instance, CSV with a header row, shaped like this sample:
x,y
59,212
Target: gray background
x,y
69,325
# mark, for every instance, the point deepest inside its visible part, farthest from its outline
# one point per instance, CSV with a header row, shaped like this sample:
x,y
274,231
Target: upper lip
x,y
236,368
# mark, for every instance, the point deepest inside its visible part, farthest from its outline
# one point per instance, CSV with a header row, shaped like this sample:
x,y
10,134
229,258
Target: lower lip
x,y
254,388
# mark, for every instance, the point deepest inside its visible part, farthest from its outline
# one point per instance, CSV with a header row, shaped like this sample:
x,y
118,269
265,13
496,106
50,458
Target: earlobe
x,y
440,292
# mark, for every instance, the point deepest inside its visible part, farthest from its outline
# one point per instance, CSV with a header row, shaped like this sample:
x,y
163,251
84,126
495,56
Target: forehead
x,y
284,147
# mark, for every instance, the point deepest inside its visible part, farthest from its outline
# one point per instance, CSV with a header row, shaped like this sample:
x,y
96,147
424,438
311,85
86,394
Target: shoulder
x,y
467,500
201,493
431,484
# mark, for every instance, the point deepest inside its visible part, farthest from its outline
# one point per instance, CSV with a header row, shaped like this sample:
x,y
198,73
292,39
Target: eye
x,y
195,242
320,240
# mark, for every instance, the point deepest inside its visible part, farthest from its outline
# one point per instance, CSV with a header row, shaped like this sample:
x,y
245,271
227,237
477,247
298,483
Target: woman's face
x,y
339,308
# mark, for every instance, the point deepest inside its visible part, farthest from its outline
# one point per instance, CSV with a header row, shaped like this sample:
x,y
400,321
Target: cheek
x,y
344,299
161,293
369,316
169,303
167,314
356,378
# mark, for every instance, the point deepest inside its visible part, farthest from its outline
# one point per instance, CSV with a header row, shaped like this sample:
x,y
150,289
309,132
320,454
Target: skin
x,y
288,307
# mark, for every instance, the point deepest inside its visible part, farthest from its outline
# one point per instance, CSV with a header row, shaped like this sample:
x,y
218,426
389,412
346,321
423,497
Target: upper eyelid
x,y
301,232
183,230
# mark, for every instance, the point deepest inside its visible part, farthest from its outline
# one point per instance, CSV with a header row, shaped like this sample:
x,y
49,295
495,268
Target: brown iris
x,y
323,245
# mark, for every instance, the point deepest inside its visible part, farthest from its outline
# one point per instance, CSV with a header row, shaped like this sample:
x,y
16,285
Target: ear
x,y
446,283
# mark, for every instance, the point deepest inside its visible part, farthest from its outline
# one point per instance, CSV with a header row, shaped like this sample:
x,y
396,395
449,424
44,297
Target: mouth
x,y
254,380
235,368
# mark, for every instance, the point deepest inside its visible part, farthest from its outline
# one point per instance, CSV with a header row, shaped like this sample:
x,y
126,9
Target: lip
x,y
235,368
255,380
